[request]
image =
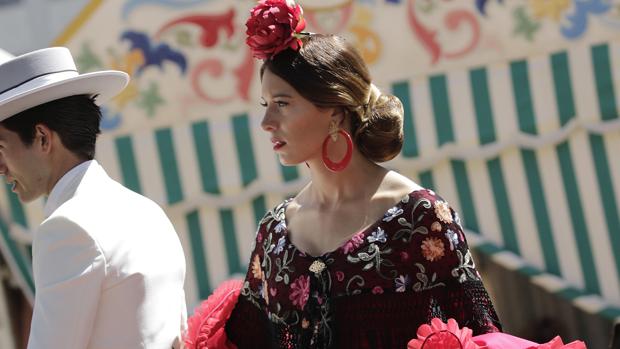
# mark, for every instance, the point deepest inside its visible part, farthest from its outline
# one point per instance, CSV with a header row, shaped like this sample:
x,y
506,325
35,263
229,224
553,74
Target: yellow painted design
x,y
368,42
78,22
307,6
130,93
362,16
549,8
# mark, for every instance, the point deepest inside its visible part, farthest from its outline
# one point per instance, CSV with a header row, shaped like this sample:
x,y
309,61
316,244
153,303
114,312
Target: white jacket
x,y
108,268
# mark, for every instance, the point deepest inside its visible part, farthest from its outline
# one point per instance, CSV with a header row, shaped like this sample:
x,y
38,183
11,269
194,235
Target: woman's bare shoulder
x,y
397,186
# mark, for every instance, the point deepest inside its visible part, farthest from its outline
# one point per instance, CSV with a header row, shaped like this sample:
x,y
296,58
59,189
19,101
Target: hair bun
x,y
379,136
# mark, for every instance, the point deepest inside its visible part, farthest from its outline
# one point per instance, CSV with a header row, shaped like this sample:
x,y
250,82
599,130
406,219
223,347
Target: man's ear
x,y
43,137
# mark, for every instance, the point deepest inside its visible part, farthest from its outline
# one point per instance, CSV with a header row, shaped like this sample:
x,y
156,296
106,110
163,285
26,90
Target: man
x,y
108,265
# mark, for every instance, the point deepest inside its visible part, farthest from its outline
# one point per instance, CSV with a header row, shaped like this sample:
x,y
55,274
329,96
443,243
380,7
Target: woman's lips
x,y
277,144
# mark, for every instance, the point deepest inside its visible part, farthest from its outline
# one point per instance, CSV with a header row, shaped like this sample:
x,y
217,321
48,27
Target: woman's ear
x,y
338,116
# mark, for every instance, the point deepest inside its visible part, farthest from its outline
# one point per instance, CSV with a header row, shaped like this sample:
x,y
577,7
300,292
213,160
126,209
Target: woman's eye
x,y
281,104
263,103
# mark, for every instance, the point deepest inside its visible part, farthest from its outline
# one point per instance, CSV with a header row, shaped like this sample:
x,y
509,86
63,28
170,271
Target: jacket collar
x,y
66,187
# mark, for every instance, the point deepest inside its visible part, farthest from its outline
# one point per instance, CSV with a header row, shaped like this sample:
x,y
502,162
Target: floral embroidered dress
x,y
410,266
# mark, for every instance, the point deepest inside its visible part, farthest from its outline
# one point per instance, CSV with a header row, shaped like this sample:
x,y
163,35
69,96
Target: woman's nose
x,y
268,123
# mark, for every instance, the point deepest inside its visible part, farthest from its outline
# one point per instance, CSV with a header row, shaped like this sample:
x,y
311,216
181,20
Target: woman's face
x,y
297,127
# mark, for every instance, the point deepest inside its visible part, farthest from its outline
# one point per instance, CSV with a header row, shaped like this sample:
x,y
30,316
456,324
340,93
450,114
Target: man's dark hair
x,y
75,119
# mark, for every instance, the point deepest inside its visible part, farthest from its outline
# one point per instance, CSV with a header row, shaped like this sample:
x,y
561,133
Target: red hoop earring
x,y
342,164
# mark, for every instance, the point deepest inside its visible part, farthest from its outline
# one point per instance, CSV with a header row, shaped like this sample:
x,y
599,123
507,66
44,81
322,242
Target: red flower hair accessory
x,y
274,26
206,328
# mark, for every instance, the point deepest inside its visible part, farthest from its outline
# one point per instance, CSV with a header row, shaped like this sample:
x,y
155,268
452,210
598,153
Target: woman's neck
x,y
358,181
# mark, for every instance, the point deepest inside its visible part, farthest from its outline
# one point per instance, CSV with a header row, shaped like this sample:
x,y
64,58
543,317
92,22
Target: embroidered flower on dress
x,y
280,227
279,212
300,289
265,291
404,256
317,266
453,238
442,211
392,213
432,249
436,226
402,282
353,243
257,271
457,219
305,323
377,290
280,247
339,276
378,235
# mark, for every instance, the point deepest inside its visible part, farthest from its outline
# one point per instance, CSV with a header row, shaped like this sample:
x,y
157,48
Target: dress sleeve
x,y
69,269
445,267
248,325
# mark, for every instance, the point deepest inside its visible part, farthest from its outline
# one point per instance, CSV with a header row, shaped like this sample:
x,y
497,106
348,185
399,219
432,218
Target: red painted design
x,y
426,36
210,25
214,68
453,20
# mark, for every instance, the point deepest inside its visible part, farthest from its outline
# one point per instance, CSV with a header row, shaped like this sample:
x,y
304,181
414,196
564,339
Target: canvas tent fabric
x,y
524,147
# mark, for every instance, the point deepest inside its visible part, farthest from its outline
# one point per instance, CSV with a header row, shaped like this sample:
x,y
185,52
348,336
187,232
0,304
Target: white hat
x,y
45,75
5,56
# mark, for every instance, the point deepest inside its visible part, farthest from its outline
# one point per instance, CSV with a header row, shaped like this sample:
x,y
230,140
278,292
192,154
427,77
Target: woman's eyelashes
x,y
280,104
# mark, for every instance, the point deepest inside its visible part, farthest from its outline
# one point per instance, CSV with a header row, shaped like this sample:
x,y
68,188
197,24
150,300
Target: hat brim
x,y
104,84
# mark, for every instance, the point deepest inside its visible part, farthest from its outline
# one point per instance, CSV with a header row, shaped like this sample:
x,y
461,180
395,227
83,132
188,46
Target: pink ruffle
x,y
556,343
206,327
440,335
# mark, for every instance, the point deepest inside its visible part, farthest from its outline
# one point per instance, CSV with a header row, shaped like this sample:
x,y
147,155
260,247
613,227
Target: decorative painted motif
x,y
199,44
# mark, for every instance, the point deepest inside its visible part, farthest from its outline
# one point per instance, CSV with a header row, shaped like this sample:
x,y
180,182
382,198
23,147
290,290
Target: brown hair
x,y
330,72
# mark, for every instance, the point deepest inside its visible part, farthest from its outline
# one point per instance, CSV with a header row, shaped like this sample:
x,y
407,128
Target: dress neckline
x,y
364,231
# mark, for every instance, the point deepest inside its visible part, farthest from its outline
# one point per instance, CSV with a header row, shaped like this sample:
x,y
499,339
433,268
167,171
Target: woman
x,y
362,256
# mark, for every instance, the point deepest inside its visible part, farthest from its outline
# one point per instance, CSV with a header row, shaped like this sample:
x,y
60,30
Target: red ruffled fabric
x,y
439,335
206,327
556,343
